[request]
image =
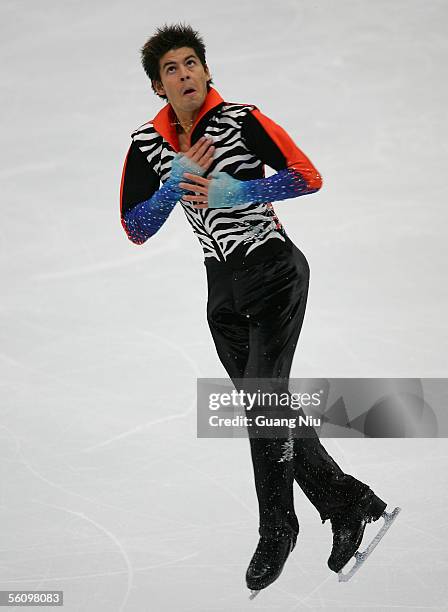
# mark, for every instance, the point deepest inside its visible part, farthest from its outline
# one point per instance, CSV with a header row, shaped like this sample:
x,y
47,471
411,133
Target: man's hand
x,y
200,187
202,154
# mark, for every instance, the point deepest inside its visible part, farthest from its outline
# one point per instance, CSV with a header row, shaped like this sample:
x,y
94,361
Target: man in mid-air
x,y
209,155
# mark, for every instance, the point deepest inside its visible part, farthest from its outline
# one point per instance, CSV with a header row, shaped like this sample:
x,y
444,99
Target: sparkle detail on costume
x,y
226,192
145,219
288,451
244,141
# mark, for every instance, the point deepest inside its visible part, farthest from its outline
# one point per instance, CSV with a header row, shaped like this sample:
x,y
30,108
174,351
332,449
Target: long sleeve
x,y
296,174
145,208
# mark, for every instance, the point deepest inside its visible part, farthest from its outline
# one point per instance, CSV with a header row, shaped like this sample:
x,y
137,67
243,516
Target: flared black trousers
x,y
255,313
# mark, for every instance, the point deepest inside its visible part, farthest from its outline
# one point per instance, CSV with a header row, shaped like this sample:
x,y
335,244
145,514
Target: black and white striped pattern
x,y
222,233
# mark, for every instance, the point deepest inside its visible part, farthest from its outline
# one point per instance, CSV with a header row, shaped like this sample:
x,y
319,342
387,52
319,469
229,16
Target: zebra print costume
x,y
244,141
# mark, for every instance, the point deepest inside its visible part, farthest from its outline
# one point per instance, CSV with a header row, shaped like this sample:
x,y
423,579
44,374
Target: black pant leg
x,y
255,316
276,316
234,340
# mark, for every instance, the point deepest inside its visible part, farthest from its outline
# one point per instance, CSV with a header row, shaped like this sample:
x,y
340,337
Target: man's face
x,y
184,79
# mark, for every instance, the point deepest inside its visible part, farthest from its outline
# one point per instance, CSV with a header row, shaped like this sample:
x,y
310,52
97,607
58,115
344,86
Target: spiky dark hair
x,y
164,39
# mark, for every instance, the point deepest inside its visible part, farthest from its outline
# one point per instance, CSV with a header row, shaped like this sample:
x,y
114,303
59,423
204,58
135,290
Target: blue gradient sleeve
x,y
146,218
225,191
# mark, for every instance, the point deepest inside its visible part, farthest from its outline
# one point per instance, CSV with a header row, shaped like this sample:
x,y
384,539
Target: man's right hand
x,y
196,160
202,152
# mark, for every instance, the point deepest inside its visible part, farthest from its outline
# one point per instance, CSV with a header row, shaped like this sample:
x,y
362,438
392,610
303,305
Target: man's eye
x,y
190,61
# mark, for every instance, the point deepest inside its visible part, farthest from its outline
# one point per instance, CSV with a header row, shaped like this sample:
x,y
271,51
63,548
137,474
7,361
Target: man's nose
x,y
183,74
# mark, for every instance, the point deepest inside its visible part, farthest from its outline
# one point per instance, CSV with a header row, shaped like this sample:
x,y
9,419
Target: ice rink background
x,y
106,492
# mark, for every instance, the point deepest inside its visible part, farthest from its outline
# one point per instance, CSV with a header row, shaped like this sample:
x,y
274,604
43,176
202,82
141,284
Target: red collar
x,y
164,119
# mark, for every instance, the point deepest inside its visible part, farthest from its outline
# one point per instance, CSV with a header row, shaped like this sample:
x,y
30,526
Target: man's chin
x,y
199,100
194,103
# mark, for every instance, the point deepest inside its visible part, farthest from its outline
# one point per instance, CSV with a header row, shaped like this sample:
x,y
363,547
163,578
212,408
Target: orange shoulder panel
x,y
295,158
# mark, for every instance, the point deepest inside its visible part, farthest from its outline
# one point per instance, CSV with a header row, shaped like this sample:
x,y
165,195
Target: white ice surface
x,y
106,493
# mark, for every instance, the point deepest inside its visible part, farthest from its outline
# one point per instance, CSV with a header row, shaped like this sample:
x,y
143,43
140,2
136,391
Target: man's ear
x,y
159,88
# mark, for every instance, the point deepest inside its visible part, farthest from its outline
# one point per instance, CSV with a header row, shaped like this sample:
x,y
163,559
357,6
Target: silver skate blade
x,y
253,594
360,557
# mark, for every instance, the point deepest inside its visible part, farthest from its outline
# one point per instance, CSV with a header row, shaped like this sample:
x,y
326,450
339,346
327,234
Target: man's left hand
x,y
199,185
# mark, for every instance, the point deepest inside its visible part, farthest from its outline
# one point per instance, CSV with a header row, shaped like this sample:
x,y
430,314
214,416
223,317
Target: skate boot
x,y
348,528
268,561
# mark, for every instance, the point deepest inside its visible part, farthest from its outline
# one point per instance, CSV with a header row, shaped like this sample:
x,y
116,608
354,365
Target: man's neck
x,y
185,120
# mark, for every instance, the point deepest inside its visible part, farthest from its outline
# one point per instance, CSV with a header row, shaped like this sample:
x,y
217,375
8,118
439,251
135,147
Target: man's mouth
x,y
189,92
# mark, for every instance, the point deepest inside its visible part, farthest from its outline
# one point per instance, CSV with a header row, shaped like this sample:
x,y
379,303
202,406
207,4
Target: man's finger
x,y
190,187
206,164
198,144
196,151
195,198
203,142
193,187
203,145
197,179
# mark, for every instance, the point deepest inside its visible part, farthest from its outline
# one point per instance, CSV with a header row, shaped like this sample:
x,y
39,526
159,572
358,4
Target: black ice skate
x,y
348,530
268,561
